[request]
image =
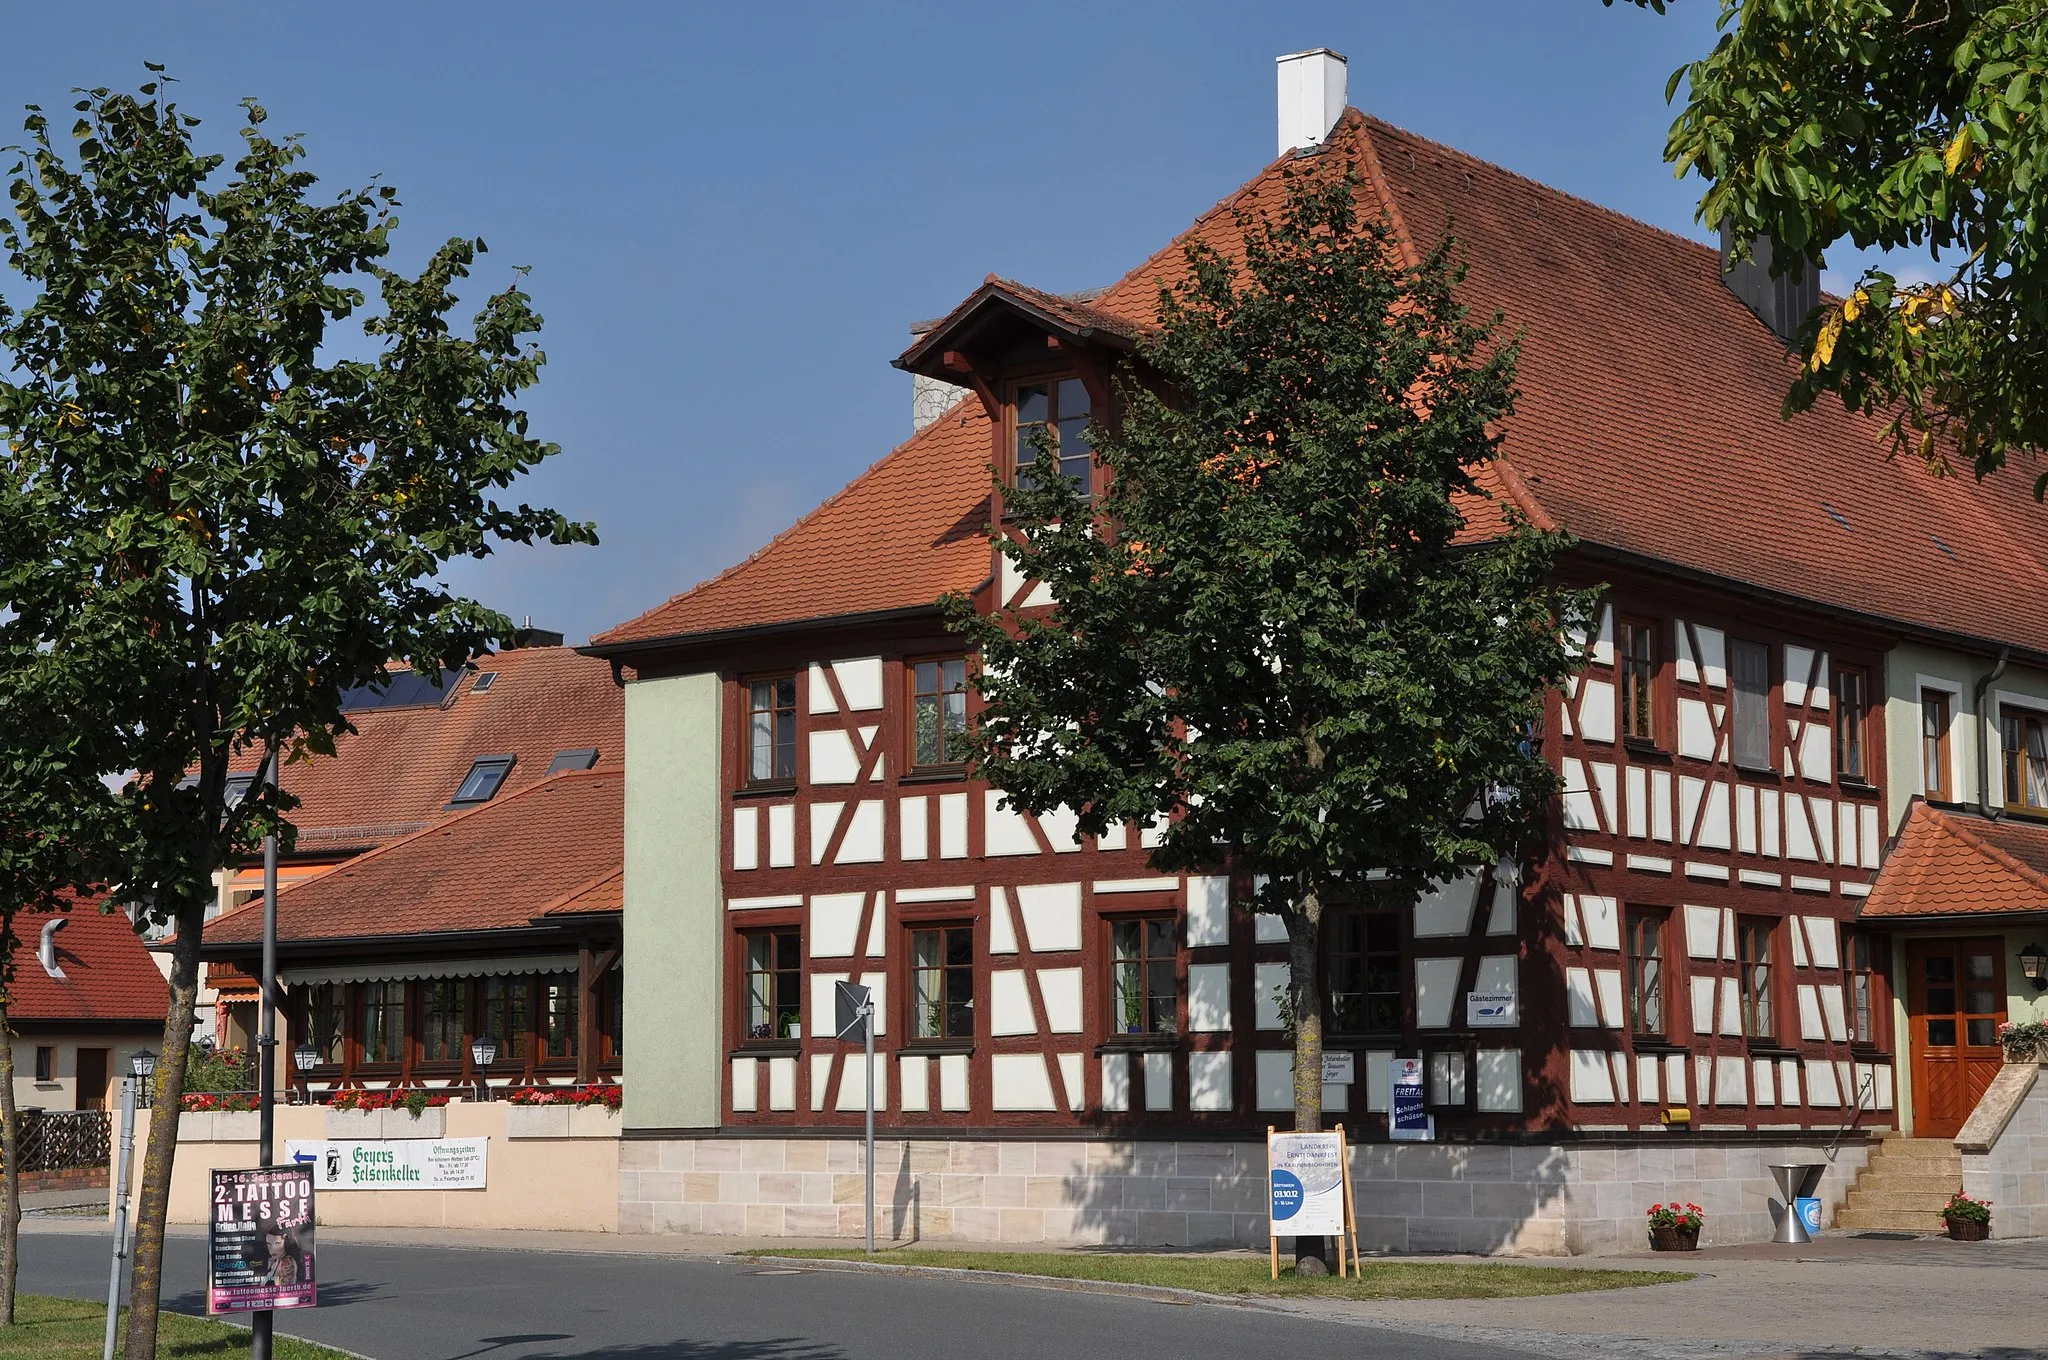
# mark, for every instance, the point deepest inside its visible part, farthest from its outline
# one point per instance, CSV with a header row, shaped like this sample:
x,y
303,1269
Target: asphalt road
x,y
435,1303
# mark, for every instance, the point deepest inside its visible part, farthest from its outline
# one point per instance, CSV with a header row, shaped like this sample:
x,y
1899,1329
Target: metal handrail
x,y
1869,1088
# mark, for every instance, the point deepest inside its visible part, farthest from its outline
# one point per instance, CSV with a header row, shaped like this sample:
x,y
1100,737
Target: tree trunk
x,y
1305,1001
10,1158
153,1206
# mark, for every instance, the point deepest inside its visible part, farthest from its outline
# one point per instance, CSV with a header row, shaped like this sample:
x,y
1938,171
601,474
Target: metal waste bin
x,y
1796,1181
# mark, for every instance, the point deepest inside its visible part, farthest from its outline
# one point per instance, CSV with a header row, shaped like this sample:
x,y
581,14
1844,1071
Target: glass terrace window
x,y
1638,681
771,730
1758,1020
1852,707
507,1005
942,982
484,779
1362,962
560,1012
1646,989
774,984
1145,983
2026,758
326,1017
1057,411
444,1007
1934,760
383,1022
938,709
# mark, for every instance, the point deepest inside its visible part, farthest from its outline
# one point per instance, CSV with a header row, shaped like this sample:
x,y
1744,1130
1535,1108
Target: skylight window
x,y
405,689
486,776
238,789
484,681
573,760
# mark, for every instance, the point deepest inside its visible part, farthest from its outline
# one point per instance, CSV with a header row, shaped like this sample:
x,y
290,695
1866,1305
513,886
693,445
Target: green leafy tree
x,y
1895,125
235,480
1270,627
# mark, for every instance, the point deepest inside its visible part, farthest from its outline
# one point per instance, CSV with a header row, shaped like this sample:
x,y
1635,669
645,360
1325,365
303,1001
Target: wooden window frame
x,y
912,694
359,1013
1119,1025
773,780
1748,929
46,1064
1626,664
1656,920
509,1040
545,1059
1852,726
945,928
1463,1056
1400,953
2013,758
1866,986
1051,381
416,1022
1937,769
1738,705
742,995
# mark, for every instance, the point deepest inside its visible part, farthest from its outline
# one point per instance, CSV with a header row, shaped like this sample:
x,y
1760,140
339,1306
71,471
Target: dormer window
x,y
1061,408
580,759
486,776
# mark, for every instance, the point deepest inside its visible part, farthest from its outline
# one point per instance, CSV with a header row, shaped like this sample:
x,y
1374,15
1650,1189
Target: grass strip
x,y
74,1329
1252,1275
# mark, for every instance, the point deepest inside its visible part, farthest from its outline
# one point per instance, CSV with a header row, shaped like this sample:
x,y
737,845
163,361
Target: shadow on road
x,y
767,1348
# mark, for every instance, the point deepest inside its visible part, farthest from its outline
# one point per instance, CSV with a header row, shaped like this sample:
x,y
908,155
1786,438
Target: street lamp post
x,y
483,1051
141,1068
266,1037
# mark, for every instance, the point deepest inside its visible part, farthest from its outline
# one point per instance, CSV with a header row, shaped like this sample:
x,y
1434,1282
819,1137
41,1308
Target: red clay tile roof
x,y
605,897
402,765
1648,424
495,867
1955,864
108,974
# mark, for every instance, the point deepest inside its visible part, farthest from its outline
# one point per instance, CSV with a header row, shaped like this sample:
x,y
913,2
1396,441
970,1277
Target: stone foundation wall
x,y
2005,1152
1492,1199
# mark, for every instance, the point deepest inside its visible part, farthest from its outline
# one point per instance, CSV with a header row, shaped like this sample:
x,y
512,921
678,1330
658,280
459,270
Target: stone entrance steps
x,y
1904,1187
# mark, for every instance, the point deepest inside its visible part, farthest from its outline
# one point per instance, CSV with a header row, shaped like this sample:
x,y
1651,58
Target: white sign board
x,y
1306,1178
1490,1010
1340,1069
393,1164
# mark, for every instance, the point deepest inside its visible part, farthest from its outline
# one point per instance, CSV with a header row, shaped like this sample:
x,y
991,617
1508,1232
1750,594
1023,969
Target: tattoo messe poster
x,y
261,1240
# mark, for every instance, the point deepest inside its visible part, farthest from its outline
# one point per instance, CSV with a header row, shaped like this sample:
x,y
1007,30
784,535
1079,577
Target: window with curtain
x,y
444,1020
774,984
383,1022
942,982
771,730
327,1021
560,1012
1759,1018
1646,983
505,1012
1144,977
938,710
1934,757
1362,971
1852,707
1750,724
2025,736
1638,681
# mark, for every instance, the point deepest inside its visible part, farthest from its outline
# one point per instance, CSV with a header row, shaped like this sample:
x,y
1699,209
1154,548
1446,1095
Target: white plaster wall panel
x,y
1581,1010
1379,1097
1500,916
1060,990
1817,693
1884,1087
1116,1081
1564,718
1713,656
1797,932
878,927
1009,1003
1691,792
1863,1085
1160,883
1745,819
1496,974
1070,1077
1731,1081
1269,985
746,838
1158,1081
1695,730
1269,928
1005,832
1810,1026
914,1078
1596,710
1763,1074
1637,801
1606,782
782,1083
1002,929
1607,985
1731,1007
1714,829
1152,833
1052,916
913,836
1683,663
1831,1011
1592,1081
1603,638
1702,1077
824,821
1336,1096
1574,929
1020,1081
823,1008
1445,907
862,843
1844,1081
1823,827
878,984
1618,1064
1702,932
1062,827
1702,1005
1815,760
746,1090
1602,919
1822,1089
1845,833
1208,915
952,826
781,835
1798,666
1648,1070
1208,997
835,924
1873,843
860,680
833,759
1579,813
1273,1076
818,694
1660,805
1436,985
821,1078
1788,1081
1768,805
1798,832
1209,1081
853,1094
953,1077
1114,838
881,770
1826,944
1674,1078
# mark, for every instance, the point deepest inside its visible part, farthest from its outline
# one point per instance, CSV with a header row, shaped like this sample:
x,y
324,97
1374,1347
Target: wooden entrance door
x,y
1955,998
92,1079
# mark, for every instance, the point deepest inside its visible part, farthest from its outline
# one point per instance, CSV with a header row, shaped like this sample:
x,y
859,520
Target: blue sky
x,y
732,212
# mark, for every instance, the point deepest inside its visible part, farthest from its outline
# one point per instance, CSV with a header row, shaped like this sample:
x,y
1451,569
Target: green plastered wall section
x,y
672,904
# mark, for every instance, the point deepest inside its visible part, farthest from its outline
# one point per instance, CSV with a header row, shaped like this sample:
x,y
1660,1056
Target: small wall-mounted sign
x,y
1490,1010
1340,1069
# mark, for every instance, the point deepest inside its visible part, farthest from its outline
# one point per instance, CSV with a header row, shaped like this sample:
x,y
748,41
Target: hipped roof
x,y
1949,863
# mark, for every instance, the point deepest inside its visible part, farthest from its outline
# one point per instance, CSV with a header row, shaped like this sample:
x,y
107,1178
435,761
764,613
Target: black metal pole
x,y
266,1045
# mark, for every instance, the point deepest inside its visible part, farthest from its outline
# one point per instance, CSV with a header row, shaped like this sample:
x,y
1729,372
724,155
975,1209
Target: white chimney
x,y
1313,92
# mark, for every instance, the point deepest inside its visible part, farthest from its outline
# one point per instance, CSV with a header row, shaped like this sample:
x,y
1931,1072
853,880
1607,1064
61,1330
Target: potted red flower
x,y
1969,1220
1676,1227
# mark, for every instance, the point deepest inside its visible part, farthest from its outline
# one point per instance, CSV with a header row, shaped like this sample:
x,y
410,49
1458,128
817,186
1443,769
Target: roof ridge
x,y
1964,834
598,640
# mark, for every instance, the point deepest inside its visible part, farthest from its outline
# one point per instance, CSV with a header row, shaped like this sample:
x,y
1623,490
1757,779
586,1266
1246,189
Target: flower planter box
x,y
371,1125
1967,1229
1674,1239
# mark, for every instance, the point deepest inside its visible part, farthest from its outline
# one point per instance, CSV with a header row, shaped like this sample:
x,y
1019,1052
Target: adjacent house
x,y
85,996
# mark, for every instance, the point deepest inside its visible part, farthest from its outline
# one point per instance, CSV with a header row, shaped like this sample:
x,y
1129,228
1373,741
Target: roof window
x,y
486,776
402,689
484,681
581,759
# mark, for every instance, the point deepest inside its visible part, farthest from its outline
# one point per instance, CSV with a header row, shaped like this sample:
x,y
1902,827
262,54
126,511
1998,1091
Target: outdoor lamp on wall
x,y
305,1057
483,1051
142,1063
2034,963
